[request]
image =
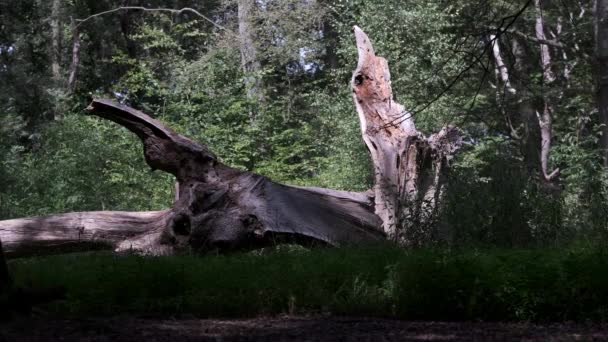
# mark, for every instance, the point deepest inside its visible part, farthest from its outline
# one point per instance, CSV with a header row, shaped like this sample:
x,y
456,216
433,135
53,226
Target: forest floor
x,y
288,328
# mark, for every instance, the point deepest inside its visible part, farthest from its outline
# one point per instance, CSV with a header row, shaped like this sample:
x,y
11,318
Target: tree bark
x,y
409,169
601,43
103,229
529,134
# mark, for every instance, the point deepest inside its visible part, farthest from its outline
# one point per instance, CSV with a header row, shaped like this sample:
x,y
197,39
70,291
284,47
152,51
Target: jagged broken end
x,y
365,48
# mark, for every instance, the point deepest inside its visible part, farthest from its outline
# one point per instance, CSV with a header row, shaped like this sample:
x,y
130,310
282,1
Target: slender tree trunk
x,y
55,40
330,37
529,137
501,69
249,55
505,91
601,45
75,58
545,114
125,28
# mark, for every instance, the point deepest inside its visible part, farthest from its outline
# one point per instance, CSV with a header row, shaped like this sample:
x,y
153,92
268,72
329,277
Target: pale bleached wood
x,y
96,228
408,167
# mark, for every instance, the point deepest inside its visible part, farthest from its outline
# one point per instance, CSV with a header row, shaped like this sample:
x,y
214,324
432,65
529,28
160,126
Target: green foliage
x,y
189,74
520,285
85,164
503,206
516,285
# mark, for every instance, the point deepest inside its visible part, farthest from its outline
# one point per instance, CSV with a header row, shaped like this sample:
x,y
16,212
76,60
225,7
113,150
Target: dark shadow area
x,y
289,329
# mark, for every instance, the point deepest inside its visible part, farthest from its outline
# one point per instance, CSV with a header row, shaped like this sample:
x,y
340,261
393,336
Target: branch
x,y
164,149
145,9
84,230
505,25
549,42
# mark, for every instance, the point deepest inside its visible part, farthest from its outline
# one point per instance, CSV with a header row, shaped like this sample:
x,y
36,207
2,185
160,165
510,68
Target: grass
x,y
515,285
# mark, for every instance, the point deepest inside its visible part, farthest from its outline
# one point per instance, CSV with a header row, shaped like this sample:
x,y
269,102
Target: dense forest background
x,y
265,84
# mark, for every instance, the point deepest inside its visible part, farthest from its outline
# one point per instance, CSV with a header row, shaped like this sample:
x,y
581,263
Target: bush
x,y
537,285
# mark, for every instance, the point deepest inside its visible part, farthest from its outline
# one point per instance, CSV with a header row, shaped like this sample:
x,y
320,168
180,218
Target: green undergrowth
x,y
534,285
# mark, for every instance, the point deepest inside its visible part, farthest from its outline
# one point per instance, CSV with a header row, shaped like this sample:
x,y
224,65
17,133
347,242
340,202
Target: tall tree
x,y
75,63
5,279
249,55
545,114
601,50
55,52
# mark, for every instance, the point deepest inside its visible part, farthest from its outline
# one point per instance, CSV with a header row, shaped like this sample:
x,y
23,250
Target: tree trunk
x,y
221,208
409,169
55,40
330,37
249,55
126,21
5,279
501,69
545,114
103,229
601,43
75,58
529,134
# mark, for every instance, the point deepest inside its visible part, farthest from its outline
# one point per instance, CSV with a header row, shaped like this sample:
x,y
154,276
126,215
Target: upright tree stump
x,y
409,169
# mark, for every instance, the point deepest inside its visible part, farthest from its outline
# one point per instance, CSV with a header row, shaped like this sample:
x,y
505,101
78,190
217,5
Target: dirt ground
x,y
288,329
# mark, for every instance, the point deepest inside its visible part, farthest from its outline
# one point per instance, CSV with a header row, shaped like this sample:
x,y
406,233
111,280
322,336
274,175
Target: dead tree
x,y
221,208
5,279
409,169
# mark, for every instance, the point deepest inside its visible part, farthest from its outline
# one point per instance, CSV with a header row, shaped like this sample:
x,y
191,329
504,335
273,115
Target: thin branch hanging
x,y
146,9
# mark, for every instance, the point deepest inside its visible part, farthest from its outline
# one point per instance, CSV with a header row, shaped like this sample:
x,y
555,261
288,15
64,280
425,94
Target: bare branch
x,y
549,42
145,9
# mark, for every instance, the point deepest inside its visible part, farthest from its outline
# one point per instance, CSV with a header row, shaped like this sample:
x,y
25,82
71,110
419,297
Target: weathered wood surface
x,y
87,229
409,168
218,208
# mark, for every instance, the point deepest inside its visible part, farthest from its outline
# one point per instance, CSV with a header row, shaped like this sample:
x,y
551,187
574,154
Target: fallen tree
x,y
5,279
221,208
